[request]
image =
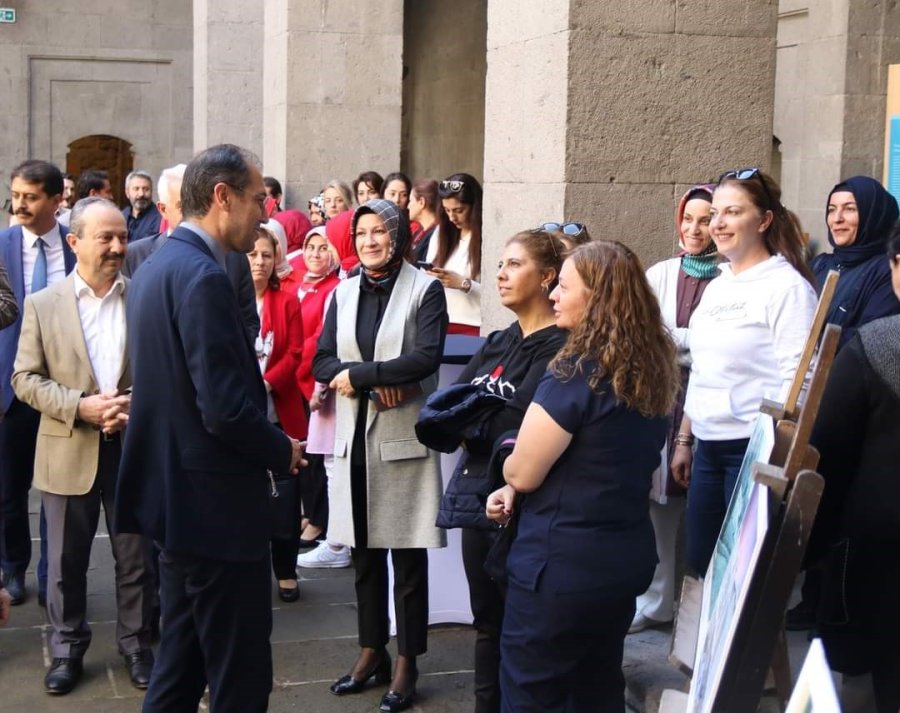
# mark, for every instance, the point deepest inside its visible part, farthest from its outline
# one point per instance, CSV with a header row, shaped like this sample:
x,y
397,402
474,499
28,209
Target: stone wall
x,y
444,58
228,73
73,70
663,95
831,83
605,113
525,129
332,91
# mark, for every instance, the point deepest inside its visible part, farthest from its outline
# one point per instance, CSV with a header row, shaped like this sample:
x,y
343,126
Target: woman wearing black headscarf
x,y
380,350
860,215
857,526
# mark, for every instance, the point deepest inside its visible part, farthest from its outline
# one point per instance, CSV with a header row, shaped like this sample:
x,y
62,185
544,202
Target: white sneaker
x,y
324,557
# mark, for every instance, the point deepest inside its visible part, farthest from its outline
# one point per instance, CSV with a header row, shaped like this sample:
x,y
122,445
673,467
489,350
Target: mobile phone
x,y
423,265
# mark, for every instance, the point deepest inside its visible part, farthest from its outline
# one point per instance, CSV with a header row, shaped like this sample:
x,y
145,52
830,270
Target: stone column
x,y
228,71
604,113
332,91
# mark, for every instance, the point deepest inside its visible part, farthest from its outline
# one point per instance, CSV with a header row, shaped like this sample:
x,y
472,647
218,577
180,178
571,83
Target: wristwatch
x,y
466,285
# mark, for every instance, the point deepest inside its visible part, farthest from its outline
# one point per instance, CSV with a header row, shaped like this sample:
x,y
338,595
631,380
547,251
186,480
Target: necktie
x,y
39,276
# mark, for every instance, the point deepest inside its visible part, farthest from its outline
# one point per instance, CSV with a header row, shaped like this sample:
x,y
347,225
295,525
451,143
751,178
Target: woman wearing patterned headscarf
x,y
678,283
860,214
380,350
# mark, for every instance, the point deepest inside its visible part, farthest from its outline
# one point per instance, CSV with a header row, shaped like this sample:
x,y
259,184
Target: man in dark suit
x,y
194,466
36,255
72,367
236,264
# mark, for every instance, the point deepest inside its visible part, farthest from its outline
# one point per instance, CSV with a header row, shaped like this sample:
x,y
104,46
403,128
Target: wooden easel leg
x,y
781,670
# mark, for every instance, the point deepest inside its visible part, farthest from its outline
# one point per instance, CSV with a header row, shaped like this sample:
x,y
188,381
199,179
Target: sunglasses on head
x,y
548,232
452,186
746,174
571,229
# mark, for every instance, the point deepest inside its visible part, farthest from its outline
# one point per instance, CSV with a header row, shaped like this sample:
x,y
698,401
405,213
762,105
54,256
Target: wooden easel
x,y
759,643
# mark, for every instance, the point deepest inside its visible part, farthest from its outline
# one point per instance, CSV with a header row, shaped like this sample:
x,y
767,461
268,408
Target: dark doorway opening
x,y
105,153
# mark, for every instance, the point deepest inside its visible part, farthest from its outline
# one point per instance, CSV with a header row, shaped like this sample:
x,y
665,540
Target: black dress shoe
x,y
381,671
15,585
289,594
140,666
63,675
394,701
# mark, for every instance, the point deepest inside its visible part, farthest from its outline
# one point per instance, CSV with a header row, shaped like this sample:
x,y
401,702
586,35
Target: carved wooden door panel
x,y
105,153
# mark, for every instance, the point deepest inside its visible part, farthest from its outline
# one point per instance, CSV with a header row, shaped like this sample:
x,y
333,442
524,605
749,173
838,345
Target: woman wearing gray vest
x,y
380,350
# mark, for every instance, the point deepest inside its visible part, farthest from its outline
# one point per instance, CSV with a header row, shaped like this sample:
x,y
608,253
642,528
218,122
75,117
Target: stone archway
x,y
105,153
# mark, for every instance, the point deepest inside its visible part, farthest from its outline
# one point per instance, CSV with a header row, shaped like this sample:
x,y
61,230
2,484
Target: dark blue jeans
x,y
713,477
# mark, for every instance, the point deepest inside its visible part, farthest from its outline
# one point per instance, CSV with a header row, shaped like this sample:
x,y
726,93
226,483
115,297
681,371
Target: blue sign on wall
x,y
893,159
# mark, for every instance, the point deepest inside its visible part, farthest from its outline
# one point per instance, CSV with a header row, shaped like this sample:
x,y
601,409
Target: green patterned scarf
x,y
704,266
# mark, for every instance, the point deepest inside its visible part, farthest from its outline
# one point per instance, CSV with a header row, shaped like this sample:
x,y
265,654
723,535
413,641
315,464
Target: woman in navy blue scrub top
x,y
580,474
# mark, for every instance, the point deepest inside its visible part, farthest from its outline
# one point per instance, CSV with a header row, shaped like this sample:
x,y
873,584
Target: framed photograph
x,y
718,628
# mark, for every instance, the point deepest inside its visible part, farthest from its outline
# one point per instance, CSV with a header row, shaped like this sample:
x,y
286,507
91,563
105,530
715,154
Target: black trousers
x,y
18,437
314,491
410,584
410,598
217,620
486,599
286,525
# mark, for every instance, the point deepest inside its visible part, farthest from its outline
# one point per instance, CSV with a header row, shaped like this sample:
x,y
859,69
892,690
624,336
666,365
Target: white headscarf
x,y
283,268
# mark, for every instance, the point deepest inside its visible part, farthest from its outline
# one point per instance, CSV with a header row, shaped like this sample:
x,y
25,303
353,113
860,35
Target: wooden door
x,y
104,153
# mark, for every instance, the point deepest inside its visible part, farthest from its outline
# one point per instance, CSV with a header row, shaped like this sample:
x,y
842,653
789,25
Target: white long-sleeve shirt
x,y
746,337
462,307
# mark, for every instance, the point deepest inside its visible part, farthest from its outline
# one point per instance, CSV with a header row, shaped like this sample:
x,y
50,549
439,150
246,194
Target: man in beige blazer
x,y
72,367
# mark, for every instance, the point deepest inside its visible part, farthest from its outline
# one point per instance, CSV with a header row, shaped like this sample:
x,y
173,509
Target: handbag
x,y
285,499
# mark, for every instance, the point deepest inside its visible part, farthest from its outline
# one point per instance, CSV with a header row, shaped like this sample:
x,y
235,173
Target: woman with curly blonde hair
x,y
579,475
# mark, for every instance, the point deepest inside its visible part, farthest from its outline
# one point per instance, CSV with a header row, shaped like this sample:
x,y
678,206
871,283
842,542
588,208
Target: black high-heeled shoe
x,y
394,701
381,672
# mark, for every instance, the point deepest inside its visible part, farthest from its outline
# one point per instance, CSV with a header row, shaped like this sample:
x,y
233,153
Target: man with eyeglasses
x,y
199,450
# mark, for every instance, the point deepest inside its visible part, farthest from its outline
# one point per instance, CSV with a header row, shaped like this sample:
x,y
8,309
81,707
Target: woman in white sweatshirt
x,y
746,338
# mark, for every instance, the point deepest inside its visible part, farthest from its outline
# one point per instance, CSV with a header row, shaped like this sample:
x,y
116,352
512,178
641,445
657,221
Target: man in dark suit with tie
x,y
198,446
36,255
236,264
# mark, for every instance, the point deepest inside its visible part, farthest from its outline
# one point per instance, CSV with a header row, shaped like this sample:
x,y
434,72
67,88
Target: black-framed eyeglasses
x,y
258,197
452,186
746,174
571,229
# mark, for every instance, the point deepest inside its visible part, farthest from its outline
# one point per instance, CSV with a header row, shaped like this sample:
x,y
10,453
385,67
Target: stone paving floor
x,y
313,643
